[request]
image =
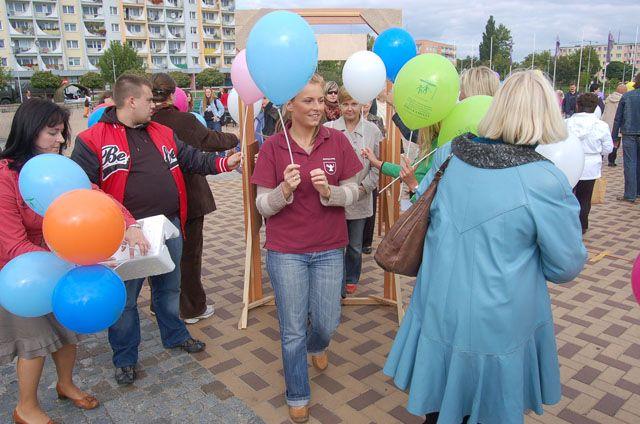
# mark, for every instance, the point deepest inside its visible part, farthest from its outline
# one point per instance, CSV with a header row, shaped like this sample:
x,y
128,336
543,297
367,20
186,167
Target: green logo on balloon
x,y
425,90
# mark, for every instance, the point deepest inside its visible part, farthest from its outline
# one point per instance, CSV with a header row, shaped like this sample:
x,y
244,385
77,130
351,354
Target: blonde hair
x,y
524,111
343,95
427,138
316,79
478,81
330,85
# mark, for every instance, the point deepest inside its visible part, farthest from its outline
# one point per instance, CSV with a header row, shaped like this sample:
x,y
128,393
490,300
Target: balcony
x,y
208,18
50,50
48,30
136,34
228,36
174,17
176,4
211,52
54,66
230,52
95,30
25,49
130,15
93,13
158,63
158,35
155,16
27,31
228,5
178,63
20,13
156,47
177,34
92,1
140,2
229,22
50,14
211,35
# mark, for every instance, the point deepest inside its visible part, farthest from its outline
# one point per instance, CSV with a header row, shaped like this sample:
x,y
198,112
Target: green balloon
x,y
425,90
464,118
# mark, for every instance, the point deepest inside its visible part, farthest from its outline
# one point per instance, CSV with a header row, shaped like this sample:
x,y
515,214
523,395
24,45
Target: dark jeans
x,y
583,192
193,300
353,252
215,126
370,225
631,155
124,335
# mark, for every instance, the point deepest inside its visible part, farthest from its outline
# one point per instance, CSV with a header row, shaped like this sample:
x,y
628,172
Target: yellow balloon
x,y
630,86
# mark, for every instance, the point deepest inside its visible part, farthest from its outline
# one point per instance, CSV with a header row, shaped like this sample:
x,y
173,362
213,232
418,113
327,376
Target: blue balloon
x,y
89,299
27,283
200,118
282,55
395,47
95,116
45,177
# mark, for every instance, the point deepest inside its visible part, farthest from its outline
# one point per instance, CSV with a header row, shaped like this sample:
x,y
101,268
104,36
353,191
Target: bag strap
x,y
442,168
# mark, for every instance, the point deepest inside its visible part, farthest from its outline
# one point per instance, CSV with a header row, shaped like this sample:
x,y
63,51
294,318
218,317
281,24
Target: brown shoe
x,y
88,402
18,420
299,414
320,362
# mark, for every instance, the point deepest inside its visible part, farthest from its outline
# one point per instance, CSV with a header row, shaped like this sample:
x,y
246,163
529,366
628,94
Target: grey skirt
x,y
30,338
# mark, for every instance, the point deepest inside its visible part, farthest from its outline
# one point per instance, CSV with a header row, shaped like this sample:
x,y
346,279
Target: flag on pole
x,y
610,42
557,46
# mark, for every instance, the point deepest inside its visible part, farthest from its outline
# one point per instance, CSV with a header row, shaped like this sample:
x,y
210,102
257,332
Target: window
x,y
69,10
194,30
192,15
74,61
3,62
192,1
134,28
94,44
194,45
72,44
113,10
70,27
1,44
195,60
115,27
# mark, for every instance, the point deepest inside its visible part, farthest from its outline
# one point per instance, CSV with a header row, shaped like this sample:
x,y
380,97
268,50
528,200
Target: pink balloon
x,y
180,100
242,81
635,279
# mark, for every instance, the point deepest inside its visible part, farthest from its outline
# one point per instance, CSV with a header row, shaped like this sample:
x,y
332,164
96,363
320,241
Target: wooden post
x,y
252,295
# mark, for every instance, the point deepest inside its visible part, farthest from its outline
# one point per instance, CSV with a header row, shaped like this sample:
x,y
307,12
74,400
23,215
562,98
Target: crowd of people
x,y
470,348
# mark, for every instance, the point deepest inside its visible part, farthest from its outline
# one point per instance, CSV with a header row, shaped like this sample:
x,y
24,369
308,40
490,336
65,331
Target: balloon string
x,y
244,142
364,144
286,135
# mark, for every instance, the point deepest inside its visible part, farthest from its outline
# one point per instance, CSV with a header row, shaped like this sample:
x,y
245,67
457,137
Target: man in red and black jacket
x,y
140,163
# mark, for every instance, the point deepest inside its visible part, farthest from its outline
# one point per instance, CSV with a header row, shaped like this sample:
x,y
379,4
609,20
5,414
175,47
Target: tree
x,y
209,77
119,58
496,46
616,70
45,81
182,80
567,68
92,80
542,61
331,70
5,76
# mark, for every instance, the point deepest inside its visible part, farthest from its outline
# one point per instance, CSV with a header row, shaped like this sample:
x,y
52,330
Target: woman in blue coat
x,y
477,342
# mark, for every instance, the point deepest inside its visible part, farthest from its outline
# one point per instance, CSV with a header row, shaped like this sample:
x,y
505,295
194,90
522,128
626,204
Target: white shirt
x,y
596,141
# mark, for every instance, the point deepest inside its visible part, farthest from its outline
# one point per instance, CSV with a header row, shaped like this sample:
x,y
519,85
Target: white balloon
x,y
233,106
364,76
567,155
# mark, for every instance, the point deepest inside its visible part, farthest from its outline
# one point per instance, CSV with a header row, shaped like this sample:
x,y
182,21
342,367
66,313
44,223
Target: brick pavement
x,y
596,320
172,387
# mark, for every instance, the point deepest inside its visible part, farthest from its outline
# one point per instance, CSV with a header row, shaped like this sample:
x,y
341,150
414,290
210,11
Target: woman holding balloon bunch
x,y
38,127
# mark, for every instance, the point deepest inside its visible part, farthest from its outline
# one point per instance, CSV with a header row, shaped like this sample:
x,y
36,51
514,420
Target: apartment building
x,y
621,52
69,36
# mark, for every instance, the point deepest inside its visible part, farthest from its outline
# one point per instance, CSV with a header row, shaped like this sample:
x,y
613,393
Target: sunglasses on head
x,y
332,92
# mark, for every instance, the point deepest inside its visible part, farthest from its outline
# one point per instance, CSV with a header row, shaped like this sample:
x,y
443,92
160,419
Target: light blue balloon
x,y
95,116
27,283
282,55
395,46
89,299
200,118
45,177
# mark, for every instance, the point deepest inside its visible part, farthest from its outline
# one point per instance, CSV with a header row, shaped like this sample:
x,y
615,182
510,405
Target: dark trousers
x,y
432,418
193,300
583,192
370,225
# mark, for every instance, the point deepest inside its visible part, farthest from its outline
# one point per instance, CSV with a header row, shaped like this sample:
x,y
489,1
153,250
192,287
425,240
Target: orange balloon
x,y
84,226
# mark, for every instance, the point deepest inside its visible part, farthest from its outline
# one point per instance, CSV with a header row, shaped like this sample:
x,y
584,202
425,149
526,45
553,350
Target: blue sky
x,y
462,22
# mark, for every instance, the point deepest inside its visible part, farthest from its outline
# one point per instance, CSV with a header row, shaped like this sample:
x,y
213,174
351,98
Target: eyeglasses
x,y
332,92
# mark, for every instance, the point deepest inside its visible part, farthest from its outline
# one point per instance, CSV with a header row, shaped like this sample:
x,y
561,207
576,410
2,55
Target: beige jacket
x,y
610,108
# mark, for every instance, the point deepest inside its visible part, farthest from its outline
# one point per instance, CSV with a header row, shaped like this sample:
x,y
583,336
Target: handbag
x,y
208,115
599,190
400,251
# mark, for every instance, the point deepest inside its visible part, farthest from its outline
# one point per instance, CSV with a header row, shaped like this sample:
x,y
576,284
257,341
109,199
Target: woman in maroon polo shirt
x,y
306,233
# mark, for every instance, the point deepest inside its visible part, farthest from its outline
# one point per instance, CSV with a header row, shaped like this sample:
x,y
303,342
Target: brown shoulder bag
x,y
400,251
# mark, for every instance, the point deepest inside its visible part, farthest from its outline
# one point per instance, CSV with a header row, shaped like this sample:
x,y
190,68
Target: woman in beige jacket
x,y
610,108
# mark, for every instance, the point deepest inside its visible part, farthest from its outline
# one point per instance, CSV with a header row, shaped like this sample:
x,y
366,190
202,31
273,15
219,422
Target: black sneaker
x,y
192,345
613,164
125,375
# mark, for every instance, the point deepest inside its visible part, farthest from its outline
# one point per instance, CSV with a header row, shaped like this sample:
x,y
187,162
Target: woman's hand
x,y
135,237
367,153
291,180
320,182
408,175
233,161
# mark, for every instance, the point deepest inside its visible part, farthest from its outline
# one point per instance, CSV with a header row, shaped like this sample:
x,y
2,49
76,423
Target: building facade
x,y
446,50
621,52
68,37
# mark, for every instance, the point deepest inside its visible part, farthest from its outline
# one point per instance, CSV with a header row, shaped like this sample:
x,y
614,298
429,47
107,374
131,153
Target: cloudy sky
x,y
462,22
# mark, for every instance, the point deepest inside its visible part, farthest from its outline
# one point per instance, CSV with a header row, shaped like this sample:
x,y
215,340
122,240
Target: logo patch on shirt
x,y
170,157
329,165
113,160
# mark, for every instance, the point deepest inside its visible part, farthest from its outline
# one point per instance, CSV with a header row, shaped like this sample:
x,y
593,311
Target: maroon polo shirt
x,y
306,225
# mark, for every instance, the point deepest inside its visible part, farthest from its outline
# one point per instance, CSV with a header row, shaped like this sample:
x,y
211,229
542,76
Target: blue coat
x,y
478,336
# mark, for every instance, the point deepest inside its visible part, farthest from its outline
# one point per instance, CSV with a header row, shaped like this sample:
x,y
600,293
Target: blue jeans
x,y
215,126
353,253
307,291
124,335
631,155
